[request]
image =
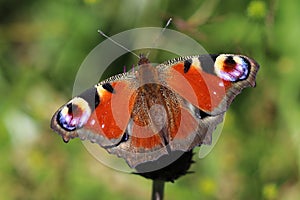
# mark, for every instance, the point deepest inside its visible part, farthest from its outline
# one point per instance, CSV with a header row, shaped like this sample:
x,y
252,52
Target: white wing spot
x,y
93,122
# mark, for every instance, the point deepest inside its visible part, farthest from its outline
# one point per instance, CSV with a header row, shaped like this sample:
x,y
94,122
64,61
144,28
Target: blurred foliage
x,y
43,44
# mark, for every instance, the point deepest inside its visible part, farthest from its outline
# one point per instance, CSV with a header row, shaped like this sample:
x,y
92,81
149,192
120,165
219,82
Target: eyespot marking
x,y
74,114
232,67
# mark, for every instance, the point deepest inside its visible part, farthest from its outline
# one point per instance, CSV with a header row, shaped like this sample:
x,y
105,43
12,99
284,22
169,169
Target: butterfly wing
x,y
207,84
210,82
99,114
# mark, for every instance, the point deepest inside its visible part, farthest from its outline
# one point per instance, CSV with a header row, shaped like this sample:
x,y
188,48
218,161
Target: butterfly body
x,y
143,115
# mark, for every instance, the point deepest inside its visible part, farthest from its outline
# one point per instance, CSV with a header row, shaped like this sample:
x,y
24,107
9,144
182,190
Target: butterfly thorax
x,y
155,105
147,74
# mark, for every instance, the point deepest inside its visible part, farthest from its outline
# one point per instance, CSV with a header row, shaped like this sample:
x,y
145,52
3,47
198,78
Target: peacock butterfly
x,y
146,114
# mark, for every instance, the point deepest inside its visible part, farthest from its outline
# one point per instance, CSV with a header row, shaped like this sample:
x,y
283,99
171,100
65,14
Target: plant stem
x,y
158,189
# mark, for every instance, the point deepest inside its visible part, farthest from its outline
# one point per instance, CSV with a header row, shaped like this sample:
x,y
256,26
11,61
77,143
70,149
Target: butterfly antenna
x,y
155,42
118,44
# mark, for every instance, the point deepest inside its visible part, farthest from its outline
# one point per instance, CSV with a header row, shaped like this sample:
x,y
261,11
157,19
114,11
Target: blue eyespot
x,y
231,67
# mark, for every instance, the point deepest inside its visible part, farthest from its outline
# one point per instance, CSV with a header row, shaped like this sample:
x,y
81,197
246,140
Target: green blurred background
x,y
43,43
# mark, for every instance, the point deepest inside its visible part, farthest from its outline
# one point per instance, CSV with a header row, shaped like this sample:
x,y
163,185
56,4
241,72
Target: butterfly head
x,y
232,67
143,59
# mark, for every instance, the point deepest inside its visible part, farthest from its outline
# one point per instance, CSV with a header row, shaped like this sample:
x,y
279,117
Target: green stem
x,y
158,190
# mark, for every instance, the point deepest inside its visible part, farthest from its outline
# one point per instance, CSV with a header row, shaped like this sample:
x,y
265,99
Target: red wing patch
x,y
111,116
206,91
